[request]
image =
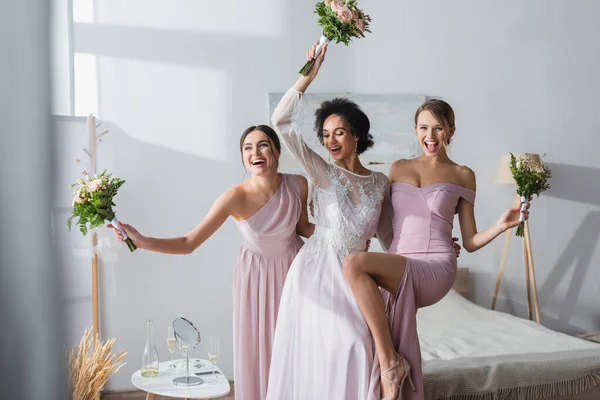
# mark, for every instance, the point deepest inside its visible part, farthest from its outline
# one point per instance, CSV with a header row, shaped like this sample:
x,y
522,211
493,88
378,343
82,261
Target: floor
x,y
139,395
592,394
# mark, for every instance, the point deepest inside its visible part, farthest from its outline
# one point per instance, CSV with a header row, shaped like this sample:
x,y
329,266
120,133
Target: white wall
x,y
180,80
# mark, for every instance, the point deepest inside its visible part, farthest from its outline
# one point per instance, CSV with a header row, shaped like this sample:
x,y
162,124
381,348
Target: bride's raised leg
x,y
365,273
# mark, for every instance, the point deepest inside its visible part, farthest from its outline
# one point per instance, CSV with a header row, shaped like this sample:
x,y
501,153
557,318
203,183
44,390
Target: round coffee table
x,y
211,388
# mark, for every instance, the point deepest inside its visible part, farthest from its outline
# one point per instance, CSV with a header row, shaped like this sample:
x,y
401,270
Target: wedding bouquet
x,y
531,176
341,21
93,202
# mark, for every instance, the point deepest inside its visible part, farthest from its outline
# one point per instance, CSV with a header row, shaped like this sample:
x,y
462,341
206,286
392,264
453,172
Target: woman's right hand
x,y
131,232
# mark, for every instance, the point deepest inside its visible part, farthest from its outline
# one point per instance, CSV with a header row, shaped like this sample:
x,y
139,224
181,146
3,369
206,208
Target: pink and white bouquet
x,y
341,21
93,202
531,176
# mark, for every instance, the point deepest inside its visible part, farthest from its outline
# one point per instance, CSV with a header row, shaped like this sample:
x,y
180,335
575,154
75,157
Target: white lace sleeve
x,y
385,227
287,121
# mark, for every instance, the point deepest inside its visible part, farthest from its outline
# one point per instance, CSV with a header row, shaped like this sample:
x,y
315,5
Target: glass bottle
x,y
150,354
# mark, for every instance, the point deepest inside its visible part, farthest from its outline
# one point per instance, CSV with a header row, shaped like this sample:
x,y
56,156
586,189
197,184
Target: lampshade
x,y
504,177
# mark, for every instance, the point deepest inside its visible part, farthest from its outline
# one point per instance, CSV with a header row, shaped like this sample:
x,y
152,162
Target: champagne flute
x,y
213,352
171,345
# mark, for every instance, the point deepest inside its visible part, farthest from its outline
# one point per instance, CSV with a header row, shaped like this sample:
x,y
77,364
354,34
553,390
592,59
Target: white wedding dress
x,y
323,348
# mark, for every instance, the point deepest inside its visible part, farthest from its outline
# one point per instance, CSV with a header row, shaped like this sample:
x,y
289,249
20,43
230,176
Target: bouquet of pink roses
x,y
93,202
341,21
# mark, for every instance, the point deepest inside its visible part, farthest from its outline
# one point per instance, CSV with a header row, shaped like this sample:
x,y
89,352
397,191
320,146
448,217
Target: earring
x,y
356,149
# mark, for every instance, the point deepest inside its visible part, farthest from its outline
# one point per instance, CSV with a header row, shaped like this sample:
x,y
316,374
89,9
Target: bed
x,y
473,353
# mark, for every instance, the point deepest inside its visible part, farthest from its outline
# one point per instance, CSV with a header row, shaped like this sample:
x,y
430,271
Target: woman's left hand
x,y
456,246
511,217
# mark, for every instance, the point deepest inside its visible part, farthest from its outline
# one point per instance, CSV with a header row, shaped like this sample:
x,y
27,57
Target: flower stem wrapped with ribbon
x,y
93,202
341,21
531,176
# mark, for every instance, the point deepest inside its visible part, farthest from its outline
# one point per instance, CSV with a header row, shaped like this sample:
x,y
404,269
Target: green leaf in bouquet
x,y
96,222
83,226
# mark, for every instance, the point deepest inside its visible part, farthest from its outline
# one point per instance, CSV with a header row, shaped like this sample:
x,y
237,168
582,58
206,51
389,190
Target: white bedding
x,y
470,352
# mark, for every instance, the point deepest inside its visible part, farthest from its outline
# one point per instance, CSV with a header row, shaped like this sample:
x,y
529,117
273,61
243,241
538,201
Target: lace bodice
x,y
347,206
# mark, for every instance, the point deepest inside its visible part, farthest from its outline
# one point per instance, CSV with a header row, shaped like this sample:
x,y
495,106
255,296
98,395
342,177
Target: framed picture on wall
x,y
392,127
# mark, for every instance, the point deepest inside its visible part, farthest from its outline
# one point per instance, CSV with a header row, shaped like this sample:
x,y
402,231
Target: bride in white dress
x,y
323,348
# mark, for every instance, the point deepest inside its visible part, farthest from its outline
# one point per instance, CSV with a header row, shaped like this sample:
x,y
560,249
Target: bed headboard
x,y
461,284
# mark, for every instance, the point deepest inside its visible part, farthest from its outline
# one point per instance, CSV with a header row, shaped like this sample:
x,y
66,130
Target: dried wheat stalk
x,y
91,364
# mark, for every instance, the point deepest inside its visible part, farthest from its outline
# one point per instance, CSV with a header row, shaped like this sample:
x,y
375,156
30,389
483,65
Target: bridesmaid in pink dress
x,y
270,212
426,192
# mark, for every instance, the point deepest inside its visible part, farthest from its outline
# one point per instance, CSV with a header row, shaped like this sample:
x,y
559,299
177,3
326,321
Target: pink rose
x,y
336,5
344,14
360,24
95,185
77,198
355,15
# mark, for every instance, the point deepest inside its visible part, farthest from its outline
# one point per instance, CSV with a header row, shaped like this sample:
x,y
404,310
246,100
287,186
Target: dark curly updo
x,y
352,114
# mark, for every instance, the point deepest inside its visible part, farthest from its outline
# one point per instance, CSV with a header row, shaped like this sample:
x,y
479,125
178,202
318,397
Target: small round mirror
x,y
187,337
186,333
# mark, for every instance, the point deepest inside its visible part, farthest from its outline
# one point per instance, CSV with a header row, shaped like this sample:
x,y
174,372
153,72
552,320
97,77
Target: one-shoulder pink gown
x,y
270,244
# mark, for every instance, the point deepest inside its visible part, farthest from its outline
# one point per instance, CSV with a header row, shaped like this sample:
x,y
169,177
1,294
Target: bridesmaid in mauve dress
x,y
426,193
270,212
270,243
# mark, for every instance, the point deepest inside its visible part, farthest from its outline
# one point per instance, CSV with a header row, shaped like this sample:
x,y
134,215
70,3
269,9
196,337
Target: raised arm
x,y
287,121
473,240
220,210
